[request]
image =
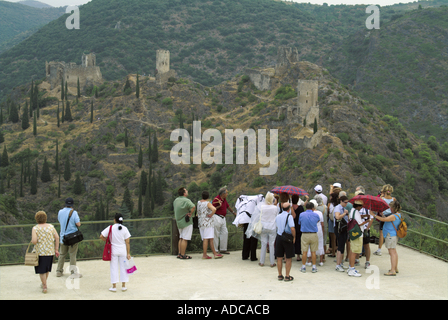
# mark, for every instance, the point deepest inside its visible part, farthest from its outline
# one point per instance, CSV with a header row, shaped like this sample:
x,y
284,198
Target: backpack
x,y
354,230
402,228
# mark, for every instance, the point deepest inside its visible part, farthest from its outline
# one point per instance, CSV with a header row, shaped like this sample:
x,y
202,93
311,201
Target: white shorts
x,y
185,233
207,233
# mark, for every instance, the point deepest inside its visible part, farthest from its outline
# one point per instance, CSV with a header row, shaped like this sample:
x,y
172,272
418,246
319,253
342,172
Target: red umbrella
x,y
289,190
372,203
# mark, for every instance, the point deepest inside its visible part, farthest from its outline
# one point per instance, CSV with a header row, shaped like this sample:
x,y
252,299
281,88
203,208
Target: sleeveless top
x,y
387,212
203,211
45,240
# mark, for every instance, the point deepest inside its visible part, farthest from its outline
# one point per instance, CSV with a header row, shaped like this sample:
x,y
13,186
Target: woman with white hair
x,y
269,231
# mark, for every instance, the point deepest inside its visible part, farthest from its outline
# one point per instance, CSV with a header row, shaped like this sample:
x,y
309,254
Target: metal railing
x,y
149,236
426,235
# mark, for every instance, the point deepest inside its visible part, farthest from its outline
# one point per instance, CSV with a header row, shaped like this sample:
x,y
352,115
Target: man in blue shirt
x,y
72,225
282,247
308,221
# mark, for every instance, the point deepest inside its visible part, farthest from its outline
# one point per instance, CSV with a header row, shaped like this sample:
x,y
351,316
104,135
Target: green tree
x,y
33,182
91,111
62,89
126,141
56,159
315,126
5,158
155,149
67,174
140,158
147,204
34,124
77,188
45,175
137,88
66,91
127,200
13,113
78,90
68,113
25,118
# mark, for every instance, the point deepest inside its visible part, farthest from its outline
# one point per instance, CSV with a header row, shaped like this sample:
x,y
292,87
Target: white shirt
x,y
118,239
268,215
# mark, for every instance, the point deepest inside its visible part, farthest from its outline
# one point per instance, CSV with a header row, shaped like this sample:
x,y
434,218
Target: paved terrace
x,y
230,278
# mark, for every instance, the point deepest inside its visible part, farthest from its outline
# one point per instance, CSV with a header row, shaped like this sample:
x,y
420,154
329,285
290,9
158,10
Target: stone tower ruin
x,y
88,72
285,57
163,67
307,95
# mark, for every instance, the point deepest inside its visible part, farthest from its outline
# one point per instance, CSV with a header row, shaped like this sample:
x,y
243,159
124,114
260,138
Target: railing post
x,y
174,237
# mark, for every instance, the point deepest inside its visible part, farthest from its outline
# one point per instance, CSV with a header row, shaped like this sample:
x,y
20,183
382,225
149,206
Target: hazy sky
x,y
59,3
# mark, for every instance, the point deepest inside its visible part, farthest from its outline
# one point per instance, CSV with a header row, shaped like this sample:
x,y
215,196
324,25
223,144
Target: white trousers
x,y
221,233
118,262
268,237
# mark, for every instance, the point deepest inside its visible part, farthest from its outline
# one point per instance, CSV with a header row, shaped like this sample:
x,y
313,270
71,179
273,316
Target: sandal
x,y
390,274
218,256
185,257
280,278
206,257
289,278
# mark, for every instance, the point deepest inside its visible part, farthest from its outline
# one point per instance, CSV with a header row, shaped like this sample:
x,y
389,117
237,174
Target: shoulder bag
x,y
107,252
72,238
31,258
287,237
258,226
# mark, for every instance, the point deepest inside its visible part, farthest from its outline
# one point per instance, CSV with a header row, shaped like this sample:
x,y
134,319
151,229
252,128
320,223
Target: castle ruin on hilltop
x,y
88,72
163,67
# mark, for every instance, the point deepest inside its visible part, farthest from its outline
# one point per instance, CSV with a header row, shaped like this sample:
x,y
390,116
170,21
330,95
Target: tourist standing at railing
x,y
71,227
221,232
386,195
121,252
183,210
205,221
268,232
340,216
46,243
284,222
390,228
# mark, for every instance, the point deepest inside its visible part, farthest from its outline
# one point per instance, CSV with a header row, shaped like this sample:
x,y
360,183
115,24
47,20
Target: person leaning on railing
x,y
390,235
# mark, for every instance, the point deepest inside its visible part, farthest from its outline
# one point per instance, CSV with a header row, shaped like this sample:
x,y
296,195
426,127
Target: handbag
x,y
72,238
107,252
130,266
287,237
31,258
354,230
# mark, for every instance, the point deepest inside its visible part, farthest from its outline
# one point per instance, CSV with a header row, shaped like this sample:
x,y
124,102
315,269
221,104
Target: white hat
x,y
315,203
337,184
318,188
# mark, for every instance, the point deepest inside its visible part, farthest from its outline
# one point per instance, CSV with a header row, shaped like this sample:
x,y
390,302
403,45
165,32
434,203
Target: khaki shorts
x,y
309,239
390,242
356,245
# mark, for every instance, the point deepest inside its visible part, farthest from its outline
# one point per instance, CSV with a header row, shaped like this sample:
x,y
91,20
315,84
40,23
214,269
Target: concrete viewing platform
x,y
167,278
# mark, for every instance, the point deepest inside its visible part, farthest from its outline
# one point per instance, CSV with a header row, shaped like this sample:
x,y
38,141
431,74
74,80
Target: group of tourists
x,y
286,225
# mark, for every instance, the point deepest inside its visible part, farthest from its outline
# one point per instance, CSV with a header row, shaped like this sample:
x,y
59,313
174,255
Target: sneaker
x,y
342,265
303,269
321,264
124,288
367,266
314,270
113,289
308,264
339,268
377,253
354,273
357,262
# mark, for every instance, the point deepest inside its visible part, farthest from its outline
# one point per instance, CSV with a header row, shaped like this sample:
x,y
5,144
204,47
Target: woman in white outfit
x,y
121,251
206,227
320,235
269,212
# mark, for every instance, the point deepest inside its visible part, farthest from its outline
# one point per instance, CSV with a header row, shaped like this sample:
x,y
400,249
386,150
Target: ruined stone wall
x,y
260,78
88,72
307,95
285,57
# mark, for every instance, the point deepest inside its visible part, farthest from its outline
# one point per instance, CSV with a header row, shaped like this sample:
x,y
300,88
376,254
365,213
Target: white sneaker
x,y
354,273
308,264
321,264
339,268
113,289
377,253
124,288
